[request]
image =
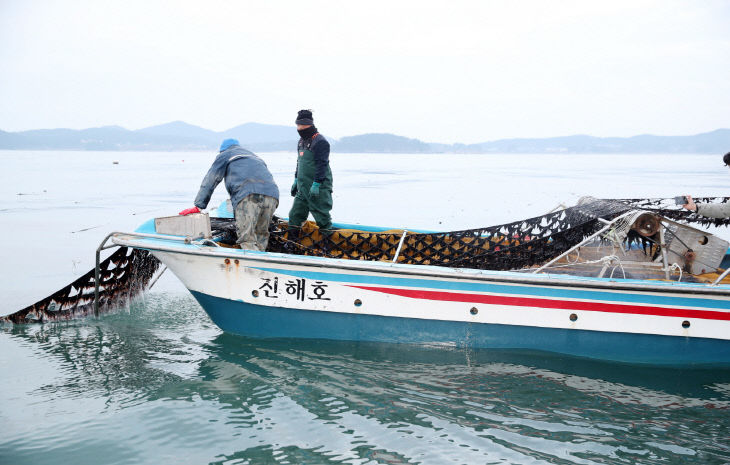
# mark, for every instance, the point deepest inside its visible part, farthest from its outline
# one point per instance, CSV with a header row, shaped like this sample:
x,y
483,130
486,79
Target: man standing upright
x,y
312,188
254,194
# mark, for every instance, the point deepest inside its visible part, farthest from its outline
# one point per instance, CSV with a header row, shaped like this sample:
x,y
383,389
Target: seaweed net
x,y
122,276
510,246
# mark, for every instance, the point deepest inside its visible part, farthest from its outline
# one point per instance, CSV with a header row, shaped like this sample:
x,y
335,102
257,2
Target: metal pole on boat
x,y
601,231
400,244
665,260
158,277
96,271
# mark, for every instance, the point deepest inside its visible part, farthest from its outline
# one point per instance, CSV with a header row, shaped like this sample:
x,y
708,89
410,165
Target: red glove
x,y
188,211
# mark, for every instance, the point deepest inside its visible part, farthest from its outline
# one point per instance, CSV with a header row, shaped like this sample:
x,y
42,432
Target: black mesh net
x,y
125,274
510,246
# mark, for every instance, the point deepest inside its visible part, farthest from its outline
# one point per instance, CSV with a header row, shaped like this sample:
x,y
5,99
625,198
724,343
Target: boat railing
x,y
400,245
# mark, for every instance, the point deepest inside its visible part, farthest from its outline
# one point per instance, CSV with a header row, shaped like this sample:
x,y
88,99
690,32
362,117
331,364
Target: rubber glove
x,y
294,188
188,211
314,190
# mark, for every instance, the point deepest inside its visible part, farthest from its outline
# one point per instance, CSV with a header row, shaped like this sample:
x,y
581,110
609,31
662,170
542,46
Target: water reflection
x,y
161,380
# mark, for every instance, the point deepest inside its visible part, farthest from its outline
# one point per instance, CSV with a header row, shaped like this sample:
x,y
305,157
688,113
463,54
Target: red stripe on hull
x,y
549,303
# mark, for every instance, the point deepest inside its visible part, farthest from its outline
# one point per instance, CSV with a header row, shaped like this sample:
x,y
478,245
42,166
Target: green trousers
x,y
319,206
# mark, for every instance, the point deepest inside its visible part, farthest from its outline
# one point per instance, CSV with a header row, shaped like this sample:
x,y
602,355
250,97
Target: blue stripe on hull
x,y
252,320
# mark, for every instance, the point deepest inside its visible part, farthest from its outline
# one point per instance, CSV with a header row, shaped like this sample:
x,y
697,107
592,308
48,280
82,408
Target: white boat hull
x,y
276,296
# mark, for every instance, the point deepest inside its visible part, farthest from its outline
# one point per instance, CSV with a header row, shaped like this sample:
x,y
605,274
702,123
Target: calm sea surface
x,y
158,382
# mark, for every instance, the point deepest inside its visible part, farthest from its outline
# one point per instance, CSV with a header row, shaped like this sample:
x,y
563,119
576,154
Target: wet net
x,y
511,246
125,274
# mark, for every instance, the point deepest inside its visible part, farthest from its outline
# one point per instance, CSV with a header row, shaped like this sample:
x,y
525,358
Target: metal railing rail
x,y
400,244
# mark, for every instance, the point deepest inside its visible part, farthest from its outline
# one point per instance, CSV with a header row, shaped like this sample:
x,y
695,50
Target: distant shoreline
x,y
180,136
394,154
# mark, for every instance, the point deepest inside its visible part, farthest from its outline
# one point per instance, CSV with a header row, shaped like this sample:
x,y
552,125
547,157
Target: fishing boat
x,y
620,280
659,298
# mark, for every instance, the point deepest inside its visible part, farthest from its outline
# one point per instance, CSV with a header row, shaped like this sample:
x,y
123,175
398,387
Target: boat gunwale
x,y
430,271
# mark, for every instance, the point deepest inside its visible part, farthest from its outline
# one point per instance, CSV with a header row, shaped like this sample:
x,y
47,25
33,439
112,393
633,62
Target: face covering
x,y
308,132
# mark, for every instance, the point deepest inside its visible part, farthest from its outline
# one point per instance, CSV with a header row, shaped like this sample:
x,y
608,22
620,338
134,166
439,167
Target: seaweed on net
x,y
511,246
515,245
125,274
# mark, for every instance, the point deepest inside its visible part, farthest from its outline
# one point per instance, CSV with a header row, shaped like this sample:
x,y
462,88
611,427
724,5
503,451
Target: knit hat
x,y
304,117
227,143
726,159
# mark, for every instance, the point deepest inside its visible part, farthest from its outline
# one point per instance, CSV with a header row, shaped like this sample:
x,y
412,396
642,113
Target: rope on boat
x,y
675,266
610,259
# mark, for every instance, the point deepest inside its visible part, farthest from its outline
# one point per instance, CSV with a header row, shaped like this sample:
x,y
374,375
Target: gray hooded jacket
x,y
245,173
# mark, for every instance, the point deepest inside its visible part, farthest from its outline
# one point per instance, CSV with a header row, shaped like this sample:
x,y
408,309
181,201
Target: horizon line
x,y
365,134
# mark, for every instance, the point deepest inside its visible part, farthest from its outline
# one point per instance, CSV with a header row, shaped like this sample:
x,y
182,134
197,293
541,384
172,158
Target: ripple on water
x,y
159,382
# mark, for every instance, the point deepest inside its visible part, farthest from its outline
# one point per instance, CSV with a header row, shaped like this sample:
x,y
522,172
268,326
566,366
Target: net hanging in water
x,y
125,274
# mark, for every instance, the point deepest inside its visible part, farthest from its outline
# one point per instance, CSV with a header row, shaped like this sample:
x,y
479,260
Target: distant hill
x,y
717,141
102,138
379,143
178,135
9,139
180,129
255,136
256,133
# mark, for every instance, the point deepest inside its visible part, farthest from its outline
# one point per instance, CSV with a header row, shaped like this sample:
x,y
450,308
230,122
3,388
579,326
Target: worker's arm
x,y
710,210
714,210
215,175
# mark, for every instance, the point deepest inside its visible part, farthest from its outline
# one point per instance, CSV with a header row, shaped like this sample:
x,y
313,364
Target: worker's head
x,y
226,144
304,119
726,159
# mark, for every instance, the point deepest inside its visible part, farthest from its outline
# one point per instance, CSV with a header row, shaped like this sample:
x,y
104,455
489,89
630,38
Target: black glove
x,y
294,188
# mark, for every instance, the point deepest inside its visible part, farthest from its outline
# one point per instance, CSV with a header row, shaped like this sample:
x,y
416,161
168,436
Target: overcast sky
x,y
459,71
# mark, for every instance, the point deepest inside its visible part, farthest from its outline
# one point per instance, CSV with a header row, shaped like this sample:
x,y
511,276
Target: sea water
x,y
158,382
